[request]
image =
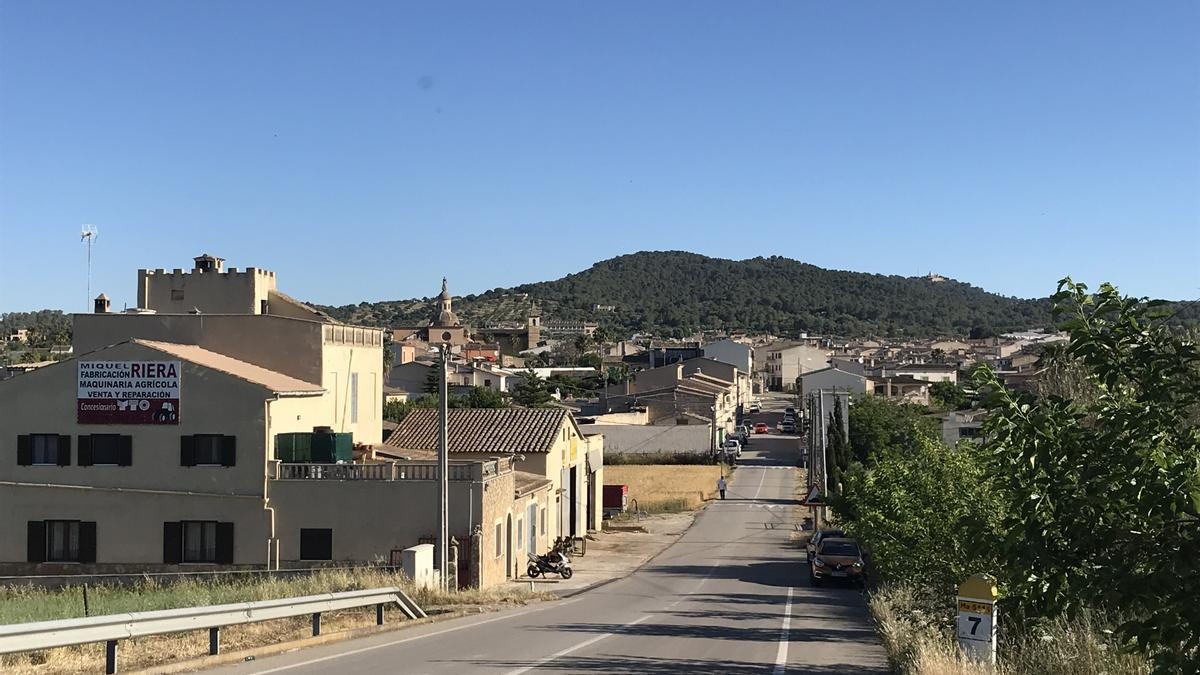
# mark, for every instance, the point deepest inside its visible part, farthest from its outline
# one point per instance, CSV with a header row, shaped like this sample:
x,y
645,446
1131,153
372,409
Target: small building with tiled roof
x,y
545,442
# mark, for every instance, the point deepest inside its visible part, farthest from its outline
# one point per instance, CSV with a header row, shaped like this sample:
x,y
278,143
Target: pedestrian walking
x,y
721,485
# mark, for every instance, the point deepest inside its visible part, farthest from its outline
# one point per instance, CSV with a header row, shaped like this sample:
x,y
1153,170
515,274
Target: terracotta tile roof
x,y
494,430
270,379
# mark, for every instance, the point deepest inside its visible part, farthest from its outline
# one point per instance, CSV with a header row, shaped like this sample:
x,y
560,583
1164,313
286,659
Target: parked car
x,y
761,428
732,446
815,540
837,558
742,433
755,407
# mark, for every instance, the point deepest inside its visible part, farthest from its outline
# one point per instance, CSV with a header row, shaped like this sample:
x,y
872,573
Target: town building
x,y
225,424
783,362
545,443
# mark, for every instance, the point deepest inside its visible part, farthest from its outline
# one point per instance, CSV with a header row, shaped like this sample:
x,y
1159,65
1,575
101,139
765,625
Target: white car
x,y
755,407
732,445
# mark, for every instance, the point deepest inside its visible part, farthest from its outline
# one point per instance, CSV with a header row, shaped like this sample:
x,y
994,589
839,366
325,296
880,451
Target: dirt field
x,y
659,487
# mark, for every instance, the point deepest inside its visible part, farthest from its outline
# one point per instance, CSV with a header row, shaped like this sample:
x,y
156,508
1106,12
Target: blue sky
x,y
364,150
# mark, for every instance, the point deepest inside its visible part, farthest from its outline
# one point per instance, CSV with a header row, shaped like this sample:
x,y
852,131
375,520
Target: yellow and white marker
x,y
978,617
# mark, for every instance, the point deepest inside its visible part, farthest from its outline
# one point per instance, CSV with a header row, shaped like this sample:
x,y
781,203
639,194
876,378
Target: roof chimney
x,y
102,304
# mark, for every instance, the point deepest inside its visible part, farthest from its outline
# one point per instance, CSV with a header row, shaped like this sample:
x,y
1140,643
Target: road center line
x,y
781,655
559,654
762,474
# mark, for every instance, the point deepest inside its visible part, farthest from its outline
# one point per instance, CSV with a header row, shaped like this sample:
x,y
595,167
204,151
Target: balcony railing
x,y
458,471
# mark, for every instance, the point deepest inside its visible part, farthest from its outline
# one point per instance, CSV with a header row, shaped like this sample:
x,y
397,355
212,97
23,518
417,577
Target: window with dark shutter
x,y
125,451
316,543
62,541
64,450
199,541
43,450
187,451
224,543
85,451
24,451
87,542
106,449
36,541
228,450
208,449
172,543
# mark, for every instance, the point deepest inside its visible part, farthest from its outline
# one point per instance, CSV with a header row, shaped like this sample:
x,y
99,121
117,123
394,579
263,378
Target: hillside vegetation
x,y
678,293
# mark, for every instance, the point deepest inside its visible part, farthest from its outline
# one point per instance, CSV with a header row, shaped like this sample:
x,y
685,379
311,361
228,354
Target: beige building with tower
x,y
223,426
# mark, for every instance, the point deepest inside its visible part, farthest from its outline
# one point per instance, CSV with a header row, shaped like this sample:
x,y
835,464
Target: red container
x,y
616,496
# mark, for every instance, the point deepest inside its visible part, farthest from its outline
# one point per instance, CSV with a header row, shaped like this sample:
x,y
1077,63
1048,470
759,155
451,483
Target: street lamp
x,y
443,466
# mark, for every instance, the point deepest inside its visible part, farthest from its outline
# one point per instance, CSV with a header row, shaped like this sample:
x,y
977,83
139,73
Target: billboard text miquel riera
x,y
128,392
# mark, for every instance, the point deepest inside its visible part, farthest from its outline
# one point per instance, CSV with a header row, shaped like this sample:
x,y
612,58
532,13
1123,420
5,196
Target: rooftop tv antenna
x,y
89,233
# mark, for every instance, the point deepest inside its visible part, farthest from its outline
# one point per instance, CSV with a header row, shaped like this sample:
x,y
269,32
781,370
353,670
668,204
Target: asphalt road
x,y
731,596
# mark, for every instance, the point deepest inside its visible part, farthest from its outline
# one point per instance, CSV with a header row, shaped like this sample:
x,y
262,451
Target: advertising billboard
x,y
128,392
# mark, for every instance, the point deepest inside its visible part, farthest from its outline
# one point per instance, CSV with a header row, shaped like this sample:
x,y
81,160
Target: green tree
x,y
480,397
949,396
923,513
394,411
530,391
1103,491
879,427
838,449
433,382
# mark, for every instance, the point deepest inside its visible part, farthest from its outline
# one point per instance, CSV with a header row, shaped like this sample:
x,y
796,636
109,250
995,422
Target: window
x,y
543,521
207,450
62,541
105,449
262,306
176,294
43,450
520,533
499,540
198,541
316,544
353,398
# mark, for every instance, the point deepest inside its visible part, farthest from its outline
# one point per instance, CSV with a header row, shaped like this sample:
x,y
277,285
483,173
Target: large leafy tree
x,y
1103,490
926,513
879,427
530,391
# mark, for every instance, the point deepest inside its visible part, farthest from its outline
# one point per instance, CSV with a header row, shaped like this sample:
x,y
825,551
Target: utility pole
x,y
443,469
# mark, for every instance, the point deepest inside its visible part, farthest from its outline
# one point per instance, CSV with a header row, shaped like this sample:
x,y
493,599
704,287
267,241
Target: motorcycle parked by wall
x,y
554,562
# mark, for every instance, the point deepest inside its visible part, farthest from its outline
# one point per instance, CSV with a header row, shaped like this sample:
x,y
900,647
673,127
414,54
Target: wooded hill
x,y
675,293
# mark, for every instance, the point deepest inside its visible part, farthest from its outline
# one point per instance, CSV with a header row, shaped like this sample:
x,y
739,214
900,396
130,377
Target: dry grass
x,y
918,642
662,488
31,604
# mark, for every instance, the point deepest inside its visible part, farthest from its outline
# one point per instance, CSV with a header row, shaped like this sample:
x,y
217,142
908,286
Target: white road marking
x,y
393,643
761,476
559,654
781,655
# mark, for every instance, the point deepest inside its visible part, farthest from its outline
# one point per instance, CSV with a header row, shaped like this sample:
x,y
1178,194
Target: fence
x,y
110,628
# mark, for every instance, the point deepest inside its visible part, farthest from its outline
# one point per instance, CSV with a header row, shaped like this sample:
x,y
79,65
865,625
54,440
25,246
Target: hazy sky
x,y
364,150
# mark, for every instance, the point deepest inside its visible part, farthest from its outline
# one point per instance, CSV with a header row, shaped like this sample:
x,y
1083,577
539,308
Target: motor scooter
x,y
555,562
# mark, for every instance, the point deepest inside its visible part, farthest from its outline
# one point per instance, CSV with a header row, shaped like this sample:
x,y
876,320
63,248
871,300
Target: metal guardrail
x,y
110,628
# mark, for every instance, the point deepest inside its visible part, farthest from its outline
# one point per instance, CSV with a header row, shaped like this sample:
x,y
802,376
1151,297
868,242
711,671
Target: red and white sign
x,y
813,498
128,392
